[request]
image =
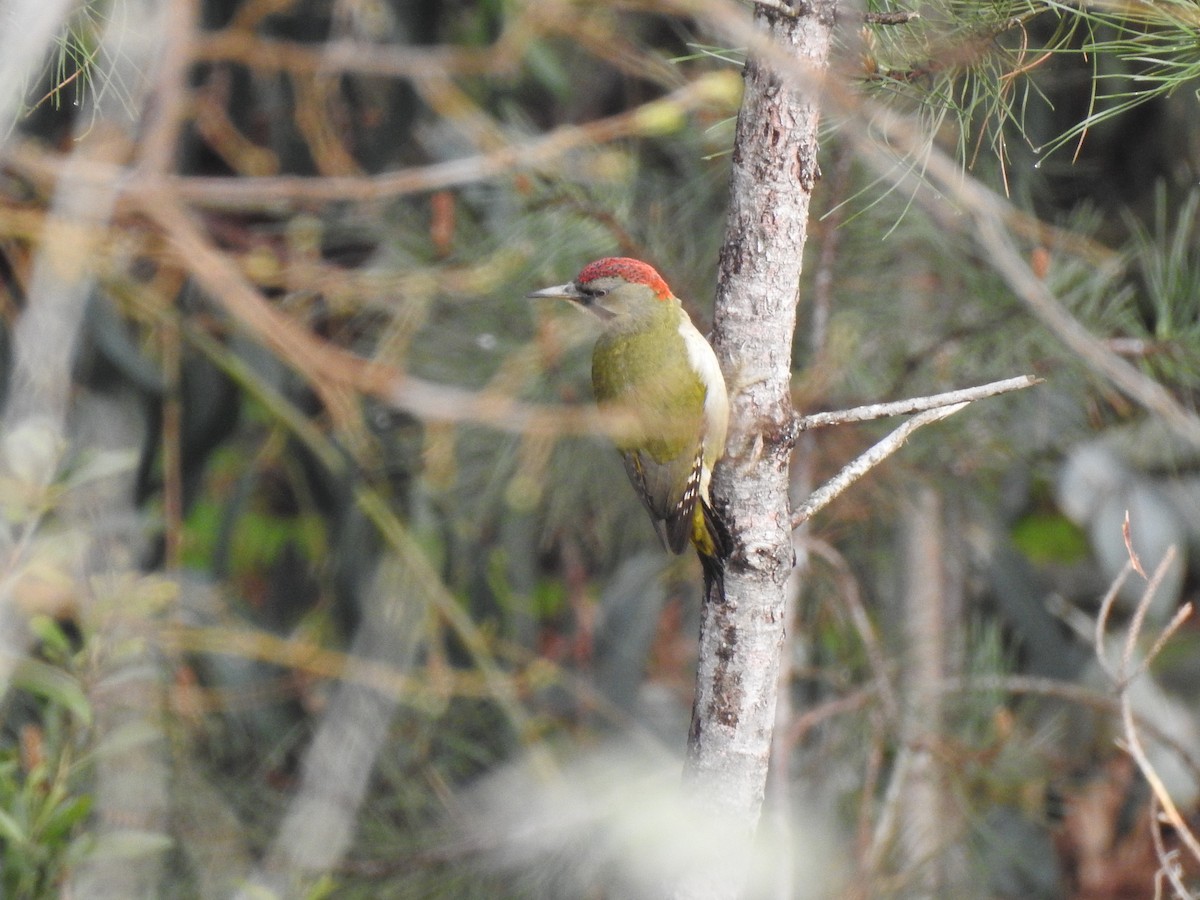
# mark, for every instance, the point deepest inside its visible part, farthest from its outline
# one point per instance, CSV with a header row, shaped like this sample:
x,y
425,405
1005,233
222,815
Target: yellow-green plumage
x,y
651,362
643,370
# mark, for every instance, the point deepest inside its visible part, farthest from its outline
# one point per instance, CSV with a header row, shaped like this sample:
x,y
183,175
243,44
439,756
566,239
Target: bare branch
x,y
825,494
717,89
1128,672
1134,747
915,404
1169,867
1181,615
251,49
1124,675
1106,606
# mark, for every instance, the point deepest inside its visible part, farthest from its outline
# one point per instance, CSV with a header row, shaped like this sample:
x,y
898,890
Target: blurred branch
x,y
311,659
421,578
28,32
316,359
320,821
165,116
715,89
989,213
355,57
41,356
855,610
1070,692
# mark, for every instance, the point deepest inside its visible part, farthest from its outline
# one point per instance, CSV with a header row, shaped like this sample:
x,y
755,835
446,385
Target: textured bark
x,y
774,171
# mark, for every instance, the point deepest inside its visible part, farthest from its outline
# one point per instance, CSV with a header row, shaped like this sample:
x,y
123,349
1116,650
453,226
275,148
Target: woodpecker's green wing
x,y
671,508
632,370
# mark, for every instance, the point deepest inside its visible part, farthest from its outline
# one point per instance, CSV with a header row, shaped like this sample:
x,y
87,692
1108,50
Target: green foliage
x,y
1141,51
1050,538
983,75
77,74
1166,263
43,800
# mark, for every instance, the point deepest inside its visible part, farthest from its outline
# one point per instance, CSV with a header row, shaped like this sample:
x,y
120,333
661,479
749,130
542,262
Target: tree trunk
x,y
774,171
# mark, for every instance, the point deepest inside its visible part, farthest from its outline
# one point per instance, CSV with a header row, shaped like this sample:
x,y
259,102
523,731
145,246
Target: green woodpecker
x,y
652,362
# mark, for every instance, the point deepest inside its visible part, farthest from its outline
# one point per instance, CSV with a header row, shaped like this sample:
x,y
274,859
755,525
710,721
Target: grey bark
x,y
774,172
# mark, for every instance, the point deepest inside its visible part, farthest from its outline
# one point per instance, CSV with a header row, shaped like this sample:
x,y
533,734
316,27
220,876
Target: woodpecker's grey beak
x,y
566,291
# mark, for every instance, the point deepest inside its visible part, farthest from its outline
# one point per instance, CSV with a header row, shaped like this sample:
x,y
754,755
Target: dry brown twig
x,y
716,89
1122,676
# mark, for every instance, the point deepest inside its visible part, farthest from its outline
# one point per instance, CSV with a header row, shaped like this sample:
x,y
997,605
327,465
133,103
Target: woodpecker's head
x,y
613,286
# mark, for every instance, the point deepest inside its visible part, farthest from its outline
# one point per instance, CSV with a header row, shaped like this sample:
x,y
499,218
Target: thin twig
x,y
1181,615
1127,536
1128,670
828,258
829,491
249,193
802,724
1132,742
915,404
1133,746
1106,606
1168,860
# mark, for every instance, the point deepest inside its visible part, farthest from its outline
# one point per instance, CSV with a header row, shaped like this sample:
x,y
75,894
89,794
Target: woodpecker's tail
x,y
713,545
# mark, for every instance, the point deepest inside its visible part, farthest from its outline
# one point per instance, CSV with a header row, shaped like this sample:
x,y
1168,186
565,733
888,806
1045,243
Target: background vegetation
x,y
319,578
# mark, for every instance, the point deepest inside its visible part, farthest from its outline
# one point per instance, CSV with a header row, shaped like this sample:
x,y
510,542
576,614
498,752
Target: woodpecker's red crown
x,y
632,270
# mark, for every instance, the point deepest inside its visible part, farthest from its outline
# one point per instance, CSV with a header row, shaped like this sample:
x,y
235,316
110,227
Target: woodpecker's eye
x,y
591,292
